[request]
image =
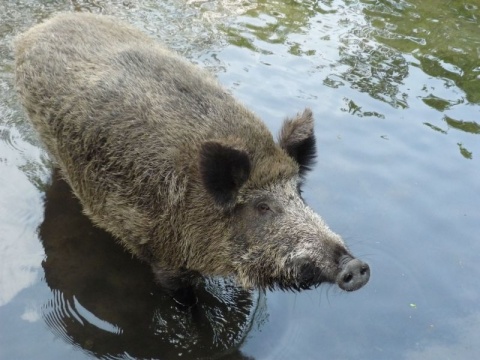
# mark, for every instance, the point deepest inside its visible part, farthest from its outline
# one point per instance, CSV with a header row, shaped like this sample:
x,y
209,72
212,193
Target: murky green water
x,y
395,89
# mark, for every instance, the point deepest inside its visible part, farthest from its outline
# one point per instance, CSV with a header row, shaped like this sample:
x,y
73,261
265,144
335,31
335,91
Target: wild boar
x,y
165,159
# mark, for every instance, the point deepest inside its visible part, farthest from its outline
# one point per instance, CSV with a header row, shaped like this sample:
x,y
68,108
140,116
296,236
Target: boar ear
x,y
224,169
298,140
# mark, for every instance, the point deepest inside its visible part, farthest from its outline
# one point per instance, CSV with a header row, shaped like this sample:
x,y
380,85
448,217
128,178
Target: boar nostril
x,y
347,277
364,269
353,275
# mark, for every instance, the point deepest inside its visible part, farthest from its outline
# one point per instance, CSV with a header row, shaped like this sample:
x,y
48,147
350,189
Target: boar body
x,y
161,156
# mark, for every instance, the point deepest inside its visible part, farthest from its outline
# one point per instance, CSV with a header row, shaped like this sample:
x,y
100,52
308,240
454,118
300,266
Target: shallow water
x,y
395,89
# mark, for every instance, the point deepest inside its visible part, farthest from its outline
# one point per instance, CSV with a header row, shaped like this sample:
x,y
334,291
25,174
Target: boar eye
x,y
263,208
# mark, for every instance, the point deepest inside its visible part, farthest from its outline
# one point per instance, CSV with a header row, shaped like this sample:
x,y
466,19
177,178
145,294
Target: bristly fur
x,y
297,138
293,286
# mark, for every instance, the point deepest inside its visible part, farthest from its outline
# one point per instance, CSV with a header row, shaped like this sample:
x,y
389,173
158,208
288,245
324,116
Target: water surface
x,y
395,89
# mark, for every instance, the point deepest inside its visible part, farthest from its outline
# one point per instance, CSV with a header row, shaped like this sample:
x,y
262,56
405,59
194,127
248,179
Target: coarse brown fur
x,y
161,156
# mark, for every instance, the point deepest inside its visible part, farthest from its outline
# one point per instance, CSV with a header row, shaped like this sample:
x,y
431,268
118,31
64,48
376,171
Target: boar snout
x,y
353,274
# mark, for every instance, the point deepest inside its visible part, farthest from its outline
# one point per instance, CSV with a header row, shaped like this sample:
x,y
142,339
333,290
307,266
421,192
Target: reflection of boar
x,y
144,322
161,156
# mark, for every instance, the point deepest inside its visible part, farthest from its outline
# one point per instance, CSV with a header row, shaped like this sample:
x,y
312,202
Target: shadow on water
x,y
107,303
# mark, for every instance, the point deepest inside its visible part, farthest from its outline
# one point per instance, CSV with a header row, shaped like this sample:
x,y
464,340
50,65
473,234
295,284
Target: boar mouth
x,y
352,275
308,276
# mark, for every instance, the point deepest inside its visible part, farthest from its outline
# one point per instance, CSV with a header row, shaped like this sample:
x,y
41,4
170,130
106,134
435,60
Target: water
x,y
395,89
